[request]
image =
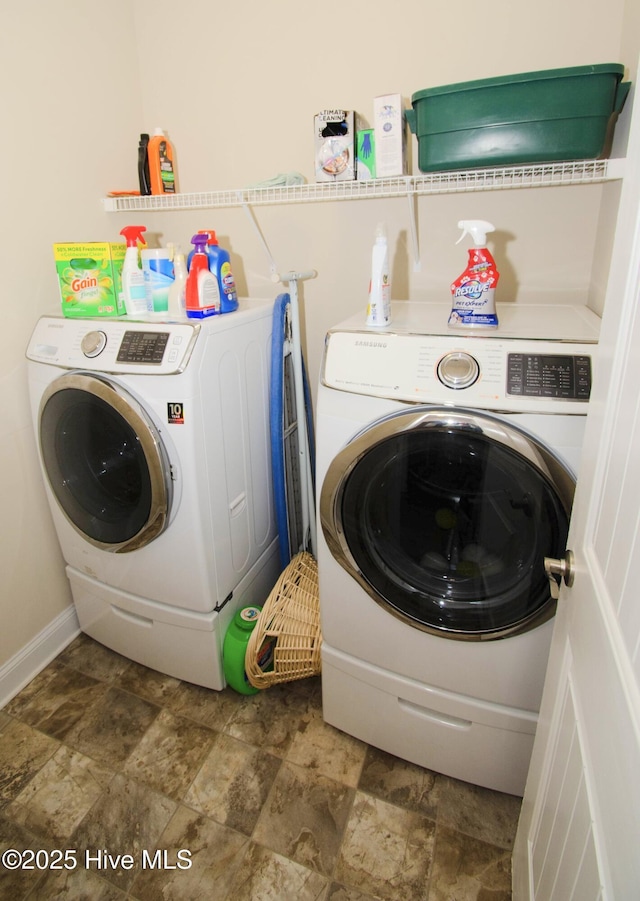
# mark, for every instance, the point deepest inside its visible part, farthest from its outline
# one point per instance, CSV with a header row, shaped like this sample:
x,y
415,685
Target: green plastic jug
x,y
235,647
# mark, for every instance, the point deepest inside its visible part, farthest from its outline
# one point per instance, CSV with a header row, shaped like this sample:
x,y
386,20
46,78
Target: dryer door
x,y
445,518
105,462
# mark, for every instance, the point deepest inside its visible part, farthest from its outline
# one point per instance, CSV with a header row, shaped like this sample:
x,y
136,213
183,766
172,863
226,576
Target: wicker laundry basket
x,y
291,618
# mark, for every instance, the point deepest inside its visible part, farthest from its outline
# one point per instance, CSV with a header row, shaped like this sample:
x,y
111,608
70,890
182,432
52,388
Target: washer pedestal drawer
x,y
478,742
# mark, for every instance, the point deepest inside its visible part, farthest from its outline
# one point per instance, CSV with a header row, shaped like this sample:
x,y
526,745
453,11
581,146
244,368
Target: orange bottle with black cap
x,y
162,171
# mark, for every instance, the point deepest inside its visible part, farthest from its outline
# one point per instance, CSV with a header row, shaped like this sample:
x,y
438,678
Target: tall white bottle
x,y
379,308
177,307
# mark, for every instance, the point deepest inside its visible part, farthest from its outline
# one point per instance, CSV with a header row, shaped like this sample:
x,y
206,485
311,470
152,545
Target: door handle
x,y
559,570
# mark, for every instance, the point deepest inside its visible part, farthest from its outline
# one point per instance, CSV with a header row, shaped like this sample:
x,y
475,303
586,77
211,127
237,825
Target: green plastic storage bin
x,y
548,116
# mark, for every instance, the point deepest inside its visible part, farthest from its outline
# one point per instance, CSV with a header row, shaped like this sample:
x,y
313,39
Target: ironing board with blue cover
x,y
286,433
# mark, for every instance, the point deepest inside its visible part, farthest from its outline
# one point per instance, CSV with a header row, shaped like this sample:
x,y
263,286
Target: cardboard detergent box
x,y
89,277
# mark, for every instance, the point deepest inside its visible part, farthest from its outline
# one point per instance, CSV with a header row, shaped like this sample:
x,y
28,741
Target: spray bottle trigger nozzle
x,y
133,234
477,228
199,242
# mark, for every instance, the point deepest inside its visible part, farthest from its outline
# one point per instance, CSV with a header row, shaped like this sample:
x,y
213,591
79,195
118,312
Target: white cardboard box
x,y
390,136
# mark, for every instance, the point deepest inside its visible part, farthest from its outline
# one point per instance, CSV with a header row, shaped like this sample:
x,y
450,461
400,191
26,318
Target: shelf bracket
x,y
413,227
273,269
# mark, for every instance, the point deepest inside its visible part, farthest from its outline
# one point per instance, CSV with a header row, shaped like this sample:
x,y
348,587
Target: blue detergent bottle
x,y
220,268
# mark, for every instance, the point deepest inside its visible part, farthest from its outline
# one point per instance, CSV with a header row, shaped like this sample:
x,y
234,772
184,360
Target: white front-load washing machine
x,y
446,464
153,438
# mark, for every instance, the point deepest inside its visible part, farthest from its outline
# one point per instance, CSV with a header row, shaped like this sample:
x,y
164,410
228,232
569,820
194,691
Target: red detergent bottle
x,y
220,268
202,295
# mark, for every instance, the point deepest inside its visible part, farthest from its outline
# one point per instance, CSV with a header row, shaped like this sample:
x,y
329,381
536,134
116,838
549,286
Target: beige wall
x,y
70,110
237,90
240,109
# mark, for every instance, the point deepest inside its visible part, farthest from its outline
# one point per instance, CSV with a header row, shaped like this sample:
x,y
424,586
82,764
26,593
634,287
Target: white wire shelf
x,y
457,181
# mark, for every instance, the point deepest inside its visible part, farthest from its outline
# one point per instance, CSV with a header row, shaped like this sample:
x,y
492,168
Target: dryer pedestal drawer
x,y
171,640
474,741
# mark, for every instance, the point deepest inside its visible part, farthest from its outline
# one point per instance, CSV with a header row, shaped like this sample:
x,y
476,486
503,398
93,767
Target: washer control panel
x,y
482,373
549,375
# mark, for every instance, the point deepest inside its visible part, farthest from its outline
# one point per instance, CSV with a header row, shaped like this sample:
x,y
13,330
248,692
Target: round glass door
x,y
446,518
105,462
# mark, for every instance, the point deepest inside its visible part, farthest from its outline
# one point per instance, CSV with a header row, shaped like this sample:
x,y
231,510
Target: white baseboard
x,y
33,657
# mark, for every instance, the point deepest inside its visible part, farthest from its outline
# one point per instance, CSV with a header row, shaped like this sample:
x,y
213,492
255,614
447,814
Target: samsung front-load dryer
x,y
446,464
154,443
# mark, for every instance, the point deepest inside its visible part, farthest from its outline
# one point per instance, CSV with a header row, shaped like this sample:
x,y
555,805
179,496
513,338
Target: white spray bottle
x,y
473,292
133,290
379,309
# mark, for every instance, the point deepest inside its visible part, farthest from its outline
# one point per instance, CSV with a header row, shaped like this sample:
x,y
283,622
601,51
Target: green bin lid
x,y
572,72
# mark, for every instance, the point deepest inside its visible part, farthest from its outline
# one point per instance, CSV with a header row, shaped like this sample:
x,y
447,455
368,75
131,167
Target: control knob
x,y
93,343
458,370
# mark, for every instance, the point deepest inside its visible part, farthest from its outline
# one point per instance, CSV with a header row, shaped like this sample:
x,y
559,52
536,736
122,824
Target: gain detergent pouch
x,y
89,279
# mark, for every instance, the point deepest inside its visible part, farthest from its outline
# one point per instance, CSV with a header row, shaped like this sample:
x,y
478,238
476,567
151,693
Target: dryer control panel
x,y
113,346
143,347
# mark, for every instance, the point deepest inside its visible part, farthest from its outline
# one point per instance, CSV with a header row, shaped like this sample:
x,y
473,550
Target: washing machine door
x,y
445,518
105,462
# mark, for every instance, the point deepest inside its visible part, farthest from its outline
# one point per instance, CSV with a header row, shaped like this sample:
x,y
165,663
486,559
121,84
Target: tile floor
x,y
158,789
